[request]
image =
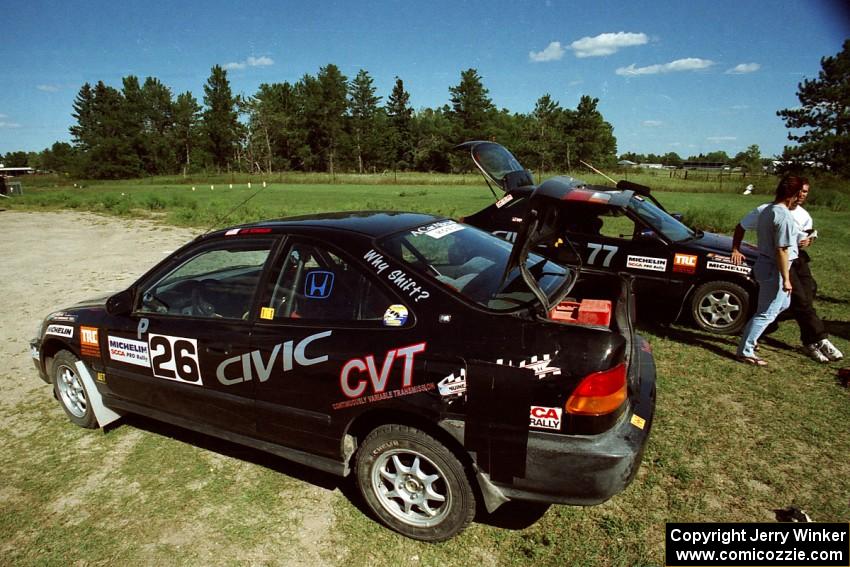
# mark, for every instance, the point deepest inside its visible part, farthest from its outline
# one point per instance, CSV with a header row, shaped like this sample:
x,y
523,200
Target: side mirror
x,y
677,216
121,303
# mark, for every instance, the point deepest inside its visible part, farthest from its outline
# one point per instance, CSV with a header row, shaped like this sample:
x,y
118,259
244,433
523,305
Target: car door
x,y
331,339
191,316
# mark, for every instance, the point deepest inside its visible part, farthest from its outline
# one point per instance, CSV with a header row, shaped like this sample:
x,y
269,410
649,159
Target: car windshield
x,y
471,262
495,161
660,220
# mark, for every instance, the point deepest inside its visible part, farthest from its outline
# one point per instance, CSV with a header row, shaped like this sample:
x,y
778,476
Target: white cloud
x,y
48,88
553,52
9,125
606,43
652,123
260,61
743,69
687,64
250,62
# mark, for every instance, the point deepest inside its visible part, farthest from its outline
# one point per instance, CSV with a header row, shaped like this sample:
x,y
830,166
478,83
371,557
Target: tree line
x,y
328,122
325,122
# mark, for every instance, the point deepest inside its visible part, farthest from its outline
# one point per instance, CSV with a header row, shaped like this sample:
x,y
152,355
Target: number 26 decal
x,y
596,248
175,358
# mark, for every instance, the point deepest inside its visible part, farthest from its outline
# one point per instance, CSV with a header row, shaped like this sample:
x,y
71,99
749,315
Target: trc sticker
x,y
685,263
543,417
89,345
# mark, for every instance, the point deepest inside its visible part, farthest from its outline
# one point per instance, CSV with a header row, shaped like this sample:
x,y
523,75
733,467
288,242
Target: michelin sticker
x,y
727,267
395,316
647,263
60,331
129,351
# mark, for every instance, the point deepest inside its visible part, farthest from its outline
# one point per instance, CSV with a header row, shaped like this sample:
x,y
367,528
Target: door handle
x,y
219,349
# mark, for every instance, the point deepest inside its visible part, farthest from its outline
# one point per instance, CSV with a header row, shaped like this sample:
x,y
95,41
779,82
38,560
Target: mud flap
x,y
498,401
103,414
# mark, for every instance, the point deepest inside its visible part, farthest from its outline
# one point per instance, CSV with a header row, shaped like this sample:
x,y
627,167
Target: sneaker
x,y
813,350
829,350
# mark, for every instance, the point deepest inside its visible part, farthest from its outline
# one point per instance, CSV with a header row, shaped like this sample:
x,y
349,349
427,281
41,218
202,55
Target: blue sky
x,y
688,77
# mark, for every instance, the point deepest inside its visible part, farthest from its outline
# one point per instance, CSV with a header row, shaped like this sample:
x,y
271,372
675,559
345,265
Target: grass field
x,y
730,443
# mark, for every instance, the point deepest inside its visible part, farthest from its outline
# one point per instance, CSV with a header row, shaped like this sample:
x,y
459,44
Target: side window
x,y
217,282
315,284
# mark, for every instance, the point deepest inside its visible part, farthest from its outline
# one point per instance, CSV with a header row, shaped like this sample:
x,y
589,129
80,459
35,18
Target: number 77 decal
x,y
595,248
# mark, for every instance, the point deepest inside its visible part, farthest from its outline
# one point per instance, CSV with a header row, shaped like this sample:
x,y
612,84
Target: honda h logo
x,y
319,284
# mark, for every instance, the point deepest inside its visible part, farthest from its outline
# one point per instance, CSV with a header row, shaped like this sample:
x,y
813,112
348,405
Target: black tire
x,y
414,484
70,390
720,307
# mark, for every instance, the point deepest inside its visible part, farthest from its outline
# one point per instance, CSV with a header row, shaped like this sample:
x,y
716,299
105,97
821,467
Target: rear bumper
x,y
586,469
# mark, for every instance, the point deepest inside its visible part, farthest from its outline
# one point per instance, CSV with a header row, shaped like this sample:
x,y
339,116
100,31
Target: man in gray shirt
x,y
777,244
813,332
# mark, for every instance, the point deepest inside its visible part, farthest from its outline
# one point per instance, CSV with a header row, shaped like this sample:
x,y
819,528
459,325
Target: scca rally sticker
x,y
545,418
647,263
129,351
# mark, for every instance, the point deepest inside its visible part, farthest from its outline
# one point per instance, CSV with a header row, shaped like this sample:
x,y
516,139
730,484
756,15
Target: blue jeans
x,y
772,301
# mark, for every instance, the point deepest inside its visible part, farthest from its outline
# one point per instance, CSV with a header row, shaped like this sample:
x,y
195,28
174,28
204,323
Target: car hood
x,y
722,244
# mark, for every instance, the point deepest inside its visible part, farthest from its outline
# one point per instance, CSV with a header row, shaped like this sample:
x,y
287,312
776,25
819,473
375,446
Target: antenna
x,y
594,170
218,221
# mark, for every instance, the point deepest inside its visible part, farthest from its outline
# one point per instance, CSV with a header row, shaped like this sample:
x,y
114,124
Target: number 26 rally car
x,y
443,368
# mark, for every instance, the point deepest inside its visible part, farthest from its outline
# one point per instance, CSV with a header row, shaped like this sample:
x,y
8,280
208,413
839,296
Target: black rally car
x,y
680,272
442,366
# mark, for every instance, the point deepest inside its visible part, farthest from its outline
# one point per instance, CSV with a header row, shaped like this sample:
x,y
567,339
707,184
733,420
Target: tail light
x,y
599,393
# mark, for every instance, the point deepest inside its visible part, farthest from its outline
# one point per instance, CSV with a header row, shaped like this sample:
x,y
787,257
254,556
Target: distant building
x,y
705,165
13,171
626,163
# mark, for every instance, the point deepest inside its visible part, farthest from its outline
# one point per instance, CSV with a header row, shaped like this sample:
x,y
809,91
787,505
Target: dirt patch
x,y
52,260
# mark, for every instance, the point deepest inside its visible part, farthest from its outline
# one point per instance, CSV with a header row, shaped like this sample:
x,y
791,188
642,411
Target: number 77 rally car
x,y
679,272
440,366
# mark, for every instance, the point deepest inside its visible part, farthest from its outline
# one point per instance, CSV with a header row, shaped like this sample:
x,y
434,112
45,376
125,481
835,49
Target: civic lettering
x,y
244,367
354,387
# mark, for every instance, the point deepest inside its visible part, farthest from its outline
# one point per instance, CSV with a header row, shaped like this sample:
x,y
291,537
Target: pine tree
x,y
824,115
470,108
186,135
220,121
400,121
363,104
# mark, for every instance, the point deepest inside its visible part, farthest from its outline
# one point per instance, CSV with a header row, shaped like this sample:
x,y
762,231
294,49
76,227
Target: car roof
x,y
369,223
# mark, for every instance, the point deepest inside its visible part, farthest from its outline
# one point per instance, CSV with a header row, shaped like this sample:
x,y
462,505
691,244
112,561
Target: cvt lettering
x,y
355,386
